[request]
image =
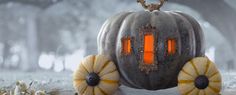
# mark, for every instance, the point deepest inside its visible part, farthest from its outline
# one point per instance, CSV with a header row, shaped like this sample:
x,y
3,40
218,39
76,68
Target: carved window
x,y
148,55
171,46
126,45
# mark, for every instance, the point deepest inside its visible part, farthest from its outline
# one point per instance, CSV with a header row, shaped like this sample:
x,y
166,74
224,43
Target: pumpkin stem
x,y
151,7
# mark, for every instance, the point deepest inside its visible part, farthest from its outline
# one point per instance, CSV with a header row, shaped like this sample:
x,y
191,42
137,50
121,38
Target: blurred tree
x,y
61,31
17,27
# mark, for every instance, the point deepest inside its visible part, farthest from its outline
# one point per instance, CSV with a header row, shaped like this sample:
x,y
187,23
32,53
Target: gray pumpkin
x,y
150,48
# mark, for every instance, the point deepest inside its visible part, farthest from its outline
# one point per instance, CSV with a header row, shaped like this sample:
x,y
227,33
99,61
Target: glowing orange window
x,y
148,55
171,46
126,45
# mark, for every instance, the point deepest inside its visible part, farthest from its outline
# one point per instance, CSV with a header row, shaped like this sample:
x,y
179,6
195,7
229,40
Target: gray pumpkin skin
x,y
183,28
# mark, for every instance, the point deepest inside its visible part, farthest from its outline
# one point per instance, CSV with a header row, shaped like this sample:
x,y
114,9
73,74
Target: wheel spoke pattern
x,y
195,68
101,66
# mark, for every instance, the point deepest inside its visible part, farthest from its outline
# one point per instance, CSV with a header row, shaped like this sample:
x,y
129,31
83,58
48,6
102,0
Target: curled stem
x,y
151,7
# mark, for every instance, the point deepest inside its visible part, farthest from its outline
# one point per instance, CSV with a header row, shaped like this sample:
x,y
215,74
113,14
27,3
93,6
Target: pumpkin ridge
x,y
217,81
119,29
214,89
82,70
185,81
110,81
84,89
109,72
76,83
214,74
82,65
103,92
100,34
108,29
93,91
104,34
189,36
207,67
195,68
88,63
178,47
75,75
198,34
104,65
177,30
120,17
187,93
132,16
94,60
187,73
192,34
144,18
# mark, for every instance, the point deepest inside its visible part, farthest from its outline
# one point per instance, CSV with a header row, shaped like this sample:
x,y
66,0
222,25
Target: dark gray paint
x,y
179,26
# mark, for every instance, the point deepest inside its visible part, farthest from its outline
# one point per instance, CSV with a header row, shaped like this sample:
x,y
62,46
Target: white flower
x,y
20,88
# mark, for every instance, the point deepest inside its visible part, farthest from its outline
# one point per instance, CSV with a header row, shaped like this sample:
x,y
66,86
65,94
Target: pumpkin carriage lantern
x,y
150,50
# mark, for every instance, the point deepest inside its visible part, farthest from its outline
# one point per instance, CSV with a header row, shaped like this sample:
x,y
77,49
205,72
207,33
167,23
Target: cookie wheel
x,y
96,75
199,76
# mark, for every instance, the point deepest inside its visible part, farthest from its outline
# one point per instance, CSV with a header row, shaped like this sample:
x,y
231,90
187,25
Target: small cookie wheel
x,y
96,75
199,76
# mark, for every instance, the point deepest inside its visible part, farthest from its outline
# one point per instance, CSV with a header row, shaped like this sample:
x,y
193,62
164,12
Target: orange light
x,y
126,45
171,48
148,56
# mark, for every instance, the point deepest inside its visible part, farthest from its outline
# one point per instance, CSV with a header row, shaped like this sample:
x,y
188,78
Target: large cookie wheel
x,y
96,75
199,77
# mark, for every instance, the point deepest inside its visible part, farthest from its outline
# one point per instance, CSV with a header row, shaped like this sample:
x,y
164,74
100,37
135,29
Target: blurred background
x,y
54,35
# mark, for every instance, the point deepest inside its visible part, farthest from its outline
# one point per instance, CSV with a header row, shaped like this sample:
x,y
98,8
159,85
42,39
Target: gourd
x,y
199,76
96,75
149,48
